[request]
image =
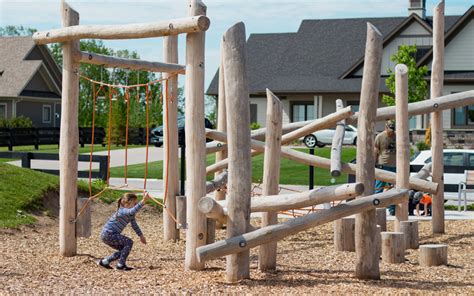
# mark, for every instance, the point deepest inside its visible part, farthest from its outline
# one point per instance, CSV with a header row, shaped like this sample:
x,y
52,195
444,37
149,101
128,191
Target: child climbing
x,y
426,201
127,207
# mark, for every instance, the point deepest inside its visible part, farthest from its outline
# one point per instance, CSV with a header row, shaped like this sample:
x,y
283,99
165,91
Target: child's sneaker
x,y
123,267
100,263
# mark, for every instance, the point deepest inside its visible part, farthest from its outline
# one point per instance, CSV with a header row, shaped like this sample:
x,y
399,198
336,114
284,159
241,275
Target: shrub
x,y
19,121
422,146
254,126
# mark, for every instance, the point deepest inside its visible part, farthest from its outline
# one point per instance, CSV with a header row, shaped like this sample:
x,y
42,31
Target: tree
x,y
16,31
137,114
417,85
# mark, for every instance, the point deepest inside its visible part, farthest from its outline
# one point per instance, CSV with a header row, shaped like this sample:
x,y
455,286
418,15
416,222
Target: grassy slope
x,y
22,190
291,172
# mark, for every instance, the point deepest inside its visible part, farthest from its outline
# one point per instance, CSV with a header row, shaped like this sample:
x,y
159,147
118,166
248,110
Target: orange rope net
x,y
111,91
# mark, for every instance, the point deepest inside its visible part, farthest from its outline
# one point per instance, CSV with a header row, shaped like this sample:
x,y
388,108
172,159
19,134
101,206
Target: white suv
x,y
456,161
324,137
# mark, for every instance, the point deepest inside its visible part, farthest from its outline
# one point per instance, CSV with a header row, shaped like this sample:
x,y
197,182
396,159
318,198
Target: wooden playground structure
x,y
235,145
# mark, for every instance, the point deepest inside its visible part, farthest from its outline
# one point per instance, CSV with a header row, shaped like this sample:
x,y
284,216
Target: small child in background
x,y
426,201
127,207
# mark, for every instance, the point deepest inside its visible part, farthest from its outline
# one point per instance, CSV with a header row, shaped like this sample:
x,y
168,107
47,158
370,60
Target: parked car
x,y
456,161
156,137
324,137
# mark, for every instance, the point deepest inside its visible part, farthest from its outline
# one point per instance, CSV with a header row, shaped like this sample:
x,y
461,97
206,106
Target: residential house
x,y
323,61
30,82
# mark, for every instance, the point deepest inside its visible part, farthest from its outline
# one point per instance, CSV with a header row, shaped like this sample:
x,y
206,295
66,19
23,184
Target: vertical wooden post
x,y
344,234
69,138
271,175
367,263
336,148
240,169
403,144
436,90
170,141
381,218
221,125
195,141
393,247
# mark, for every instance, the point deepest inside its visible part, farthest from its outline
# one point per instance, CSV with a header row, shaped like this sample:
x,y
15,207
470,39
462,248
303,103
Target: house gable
x,y
413,34
459,53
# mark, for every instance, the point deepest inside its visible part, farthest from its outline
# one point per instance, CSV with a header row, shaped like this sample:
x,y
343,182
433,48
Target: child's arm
x,y
135,227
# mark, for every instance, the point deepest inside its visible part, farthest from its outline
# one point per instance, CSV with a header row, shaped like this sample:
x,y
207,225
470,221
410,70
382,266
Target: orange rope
x,y
109,134
147,137
172,74
92,141
167,163
127,98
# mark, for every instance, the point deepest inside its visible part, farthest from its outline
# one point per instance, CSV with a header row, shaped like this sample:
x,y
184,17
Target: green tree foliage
x,y
16,31
417,85
137,108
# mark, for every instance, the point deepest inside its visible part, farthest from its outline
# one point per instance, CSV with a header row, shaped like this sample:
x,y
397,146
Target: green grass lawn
x,y
291,172
22,191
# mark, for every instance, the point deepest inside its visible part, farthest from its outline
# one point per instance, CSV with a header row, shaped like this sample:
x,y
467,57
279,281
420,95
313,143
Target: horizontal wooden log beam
x,y
277,232
322,162
218,182
133,31
316,125
424,172
272,203
423,107
132,64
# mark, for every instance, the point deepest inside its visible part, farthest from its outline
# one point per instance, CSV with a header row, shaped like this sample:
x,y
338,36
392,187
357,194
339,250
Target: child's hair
x,y
126,197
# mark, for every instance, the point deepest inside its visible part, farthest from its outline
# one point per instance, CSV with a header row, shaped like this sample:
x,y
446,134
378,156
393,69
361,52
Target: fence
x,y
26,158
10,137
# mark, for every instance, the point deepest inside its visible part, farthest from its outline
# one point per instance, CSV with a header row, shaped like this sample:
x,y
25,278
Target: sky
x,y
259,16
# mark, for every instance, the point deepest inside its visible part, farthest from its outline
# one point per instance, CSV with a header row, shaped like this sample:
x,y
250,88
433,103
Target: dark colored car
x,y
156,137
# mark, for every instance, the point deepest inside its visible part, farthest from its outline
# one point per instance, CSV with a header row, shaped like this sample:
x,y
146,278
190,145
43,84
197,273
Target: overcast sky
x,y
259,16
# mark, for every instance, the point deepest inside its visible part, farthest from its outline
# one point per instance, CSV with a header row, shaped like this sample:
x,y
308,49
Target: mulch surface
x,y
307,263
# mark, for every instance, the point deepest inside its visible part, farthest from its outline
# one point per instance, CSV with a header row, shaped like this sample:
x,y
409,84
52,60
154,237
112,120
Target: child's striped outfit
x,y
111,233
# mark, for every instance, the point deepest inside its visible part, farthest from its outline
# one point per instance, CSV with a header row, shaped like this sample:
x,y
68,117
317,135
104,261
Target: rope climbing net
x,y
99,87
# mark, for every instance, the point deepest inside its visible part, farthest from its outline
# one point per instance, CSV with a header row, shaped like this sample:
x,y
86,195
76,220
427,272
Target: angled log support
x,y
244,242
336,148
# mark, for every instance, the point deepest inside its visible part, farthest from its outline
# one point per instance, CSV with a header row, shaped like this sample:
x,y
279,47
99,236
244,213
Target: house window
x,y
354,104
253,113
46,113
302,111
3,110
463,116
421,51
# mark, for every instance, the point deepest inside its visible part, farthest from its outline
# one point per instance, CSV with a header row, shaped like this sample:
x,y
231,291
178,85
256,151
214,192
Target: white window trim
x,y
6,109
42,114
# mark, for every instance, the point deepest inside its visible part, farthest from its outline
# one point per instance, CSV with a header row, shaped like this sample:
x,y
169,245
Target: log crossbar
x,y
451,101
277,232
192,24
132,64
218,182
322,162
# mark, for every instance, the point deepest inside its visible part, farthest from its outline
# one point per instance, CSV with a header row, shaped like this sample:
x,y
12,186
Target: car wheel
x,y
355,141
310,141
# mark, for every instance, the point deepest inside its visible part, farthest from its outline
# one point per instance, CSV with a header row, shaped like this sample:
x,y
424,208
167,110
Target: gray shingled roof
x,y
313,59
17,72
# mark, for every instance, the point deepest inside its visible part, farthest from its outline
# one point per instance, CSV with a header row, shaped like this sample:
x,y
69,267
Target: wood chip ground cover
x,y
307,263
